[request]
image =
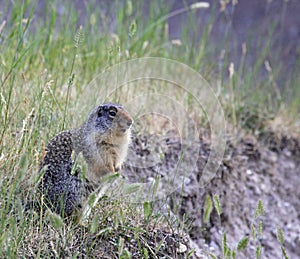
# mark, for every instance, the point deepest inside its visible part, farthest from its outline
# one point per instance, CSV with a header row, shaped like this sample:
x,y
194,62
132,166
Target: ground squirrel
x,y
103,141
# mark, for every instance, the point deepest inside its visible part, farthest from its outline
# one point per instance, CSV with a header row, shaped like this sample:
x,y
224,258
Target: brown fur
x,y
103,140
105,153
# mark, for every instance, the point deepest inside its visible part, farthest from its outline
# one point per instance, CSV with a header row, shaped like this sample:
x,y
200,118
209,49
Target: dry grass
x,y
49,82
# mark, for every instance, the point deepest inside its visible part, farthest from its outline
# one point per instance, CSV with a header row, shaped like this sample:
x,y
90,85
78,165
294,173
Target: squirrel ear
x,y
100,111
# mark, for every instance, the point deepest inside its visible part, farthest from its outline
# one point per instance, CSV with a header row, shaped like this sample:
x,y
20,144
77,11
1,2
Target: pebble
x,y
249,172
181,249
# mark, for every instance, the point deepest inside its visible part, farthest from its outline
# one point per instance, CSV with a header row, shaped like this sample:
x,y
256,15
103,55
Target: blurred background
x,y
259,38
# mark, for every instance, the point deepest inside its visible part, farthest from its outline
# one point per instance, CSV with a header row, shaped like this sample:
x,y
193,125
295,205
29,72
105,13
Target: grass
x,y
46,62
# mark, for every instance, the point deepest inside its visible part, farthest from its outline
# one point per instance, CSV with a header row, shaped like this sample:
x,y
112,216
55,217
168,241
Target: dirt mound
x,y
265,168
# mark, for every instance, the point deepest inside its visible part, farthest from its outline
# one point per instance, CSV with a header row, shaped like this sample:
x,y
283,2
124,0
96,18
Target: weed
x,y
46,63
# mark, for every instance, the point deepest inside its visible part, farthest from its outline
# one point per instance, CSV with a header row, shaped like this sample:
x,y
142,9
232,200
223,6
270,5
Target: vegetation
x,y
47,61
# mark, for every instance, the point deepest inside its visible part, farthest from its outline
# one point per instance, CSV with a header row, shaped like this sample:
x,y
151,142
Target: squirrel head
x,y
107,118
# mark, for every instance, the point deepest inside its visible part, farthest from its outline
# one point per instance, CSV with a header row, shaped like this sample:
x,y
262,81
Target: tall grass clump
x,y
49,53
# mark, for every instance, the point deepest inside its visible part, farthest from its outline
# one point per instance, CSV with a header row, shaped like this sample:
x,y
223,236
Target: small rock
x,y
181,249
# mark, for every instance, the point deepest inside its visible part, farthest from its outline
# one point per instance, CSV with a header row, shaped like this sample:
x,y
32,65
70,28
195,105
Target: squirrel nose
x,y
129,123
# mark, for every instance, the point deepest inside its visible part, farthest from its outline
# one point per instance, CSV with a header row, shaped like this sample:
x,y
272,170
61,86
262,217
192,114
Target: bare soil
x,y
265,167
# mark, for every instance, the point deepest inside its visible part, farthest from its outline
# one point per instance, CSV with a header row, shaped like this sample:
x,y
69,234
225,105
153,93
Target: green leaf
x,y
23,164
129,8
79,37
258,251
243,243
56,220
104,230
92,199
224,243
228,253
110,178
253,232
121,246
145,252
217,204
259,209
260,228
208,207
132,28
147,210
95,223
132,188
280,236
284,254
190,253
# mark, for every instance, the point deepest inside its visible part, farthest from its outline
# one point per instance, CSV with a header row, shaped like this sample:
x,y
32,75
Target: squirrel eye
x,y
112,113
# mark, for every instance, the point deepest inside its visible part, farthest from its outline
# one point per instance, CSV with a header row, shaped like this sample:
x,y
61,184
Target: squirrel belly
x,y
108,154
